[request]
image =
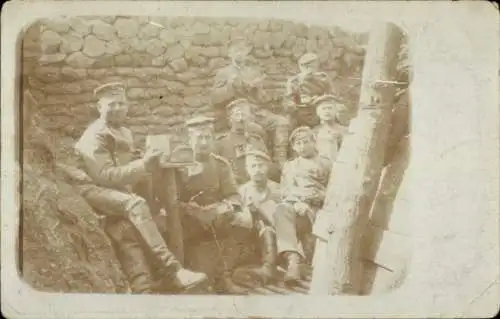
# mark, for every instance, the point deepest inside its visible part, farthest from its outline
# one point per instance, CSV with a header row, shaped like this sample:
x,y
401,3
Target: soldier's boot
x,y
266,273
182,279
292,275
225,285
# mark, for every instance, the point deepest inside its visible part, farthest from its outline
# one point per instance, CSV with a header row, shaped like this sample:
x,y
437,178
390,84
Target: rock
x,y
69,73
167,72
175,51
301,30
83,98
263,25
79,60
80,26
89,85
199,61
124,60
136,93
59,25
126,71
202,39
51,58
102,30
175,87
50,41
192,52
48,74
179,65
126,28
98,74
149,72
168,36
210,52
114,47
150,30
195,101
186,77
155,47
217,63
165,110
284,53
144,59
93,47
263,54
137,44
63,88
71,43
312,45
299,48
336,53
192,90
275,25
106,61
261,39
200,28
161,60
278,39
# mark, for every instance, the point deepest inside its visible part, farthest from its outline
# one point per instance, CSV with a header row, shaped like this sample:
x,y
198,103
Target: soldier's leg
x,y
131,255
136,210
288,244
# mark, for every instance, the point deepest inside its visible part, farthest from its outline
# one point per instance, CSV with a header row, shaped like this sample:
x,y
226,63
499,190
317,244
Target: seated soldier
x,y
260,197
302,89
329,132
240,80
106,150
243,132
210,200
303,186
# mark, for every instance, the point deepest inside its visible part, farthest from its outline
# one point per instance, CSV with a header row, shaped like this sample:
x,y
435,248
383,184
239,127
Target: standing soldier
x,y
210,199
243,132
260,197
241,80
303,88
303,187
329,132
107,152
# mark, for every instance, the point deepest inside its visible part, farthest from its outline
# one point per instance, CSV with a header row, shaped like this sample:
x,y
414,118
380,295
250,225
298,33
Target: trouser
x,y
293,230
116,205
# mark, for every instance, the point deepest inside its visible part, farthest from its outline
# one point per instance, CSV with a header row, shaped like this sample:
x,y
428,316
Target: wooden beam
x,y
356,172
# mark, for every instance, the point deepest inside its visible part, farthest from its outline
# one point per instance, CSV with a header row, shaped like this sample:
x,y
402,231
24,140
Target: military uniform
x,y
301,90
210,201
110,160
234,82
304,180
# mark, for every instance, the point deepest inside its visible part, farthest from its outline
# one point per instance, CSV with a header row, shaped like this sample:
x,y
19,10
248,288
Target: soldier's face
x,y
241,114
201,140
326,111
257,168
304,146
114,110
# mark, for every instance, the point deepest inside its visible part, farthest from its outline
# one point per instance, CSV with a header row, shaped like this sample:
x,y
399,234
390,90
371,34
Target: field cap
x,y
301,132
112,89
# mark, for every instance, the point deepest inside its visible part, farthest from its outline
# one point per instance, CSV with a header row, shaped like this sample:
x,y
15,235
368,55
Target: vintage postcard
x,y
165,159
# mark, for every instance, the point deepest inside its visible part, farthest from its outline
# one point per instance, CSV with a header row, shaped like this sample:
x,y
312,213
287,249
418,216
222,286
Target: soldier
x,y
243,132
241,80
260,197
209,198
329,132
303,186
107,153
303,88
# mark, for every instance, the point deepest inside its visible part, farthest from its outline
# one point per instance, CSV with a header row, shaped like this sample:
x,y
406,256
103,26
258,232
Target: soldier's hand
x,y
151,159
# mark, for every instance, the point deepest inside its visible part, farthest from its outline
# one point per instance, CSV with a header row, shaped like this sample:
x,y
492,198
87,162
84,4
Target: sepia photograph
x,y
217,154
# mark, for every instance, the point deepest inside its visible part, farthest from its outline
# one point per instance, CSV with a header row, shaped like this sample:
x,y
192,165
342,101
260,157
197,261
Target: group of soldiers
x,y
267,176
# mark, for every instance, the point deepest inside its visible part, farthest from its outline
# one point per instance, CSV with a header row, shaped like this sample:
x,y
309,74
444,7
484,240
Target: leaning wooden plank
x,y
356,173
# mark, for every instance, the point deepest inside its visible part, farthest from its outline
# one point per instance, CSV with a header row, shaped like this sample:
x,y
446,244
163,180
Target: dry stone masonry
x,y
168,64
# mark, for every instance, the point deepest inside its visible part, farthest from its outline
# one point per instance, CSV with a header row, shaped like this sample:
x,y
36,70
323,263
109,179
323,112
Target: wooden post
x,y
356,173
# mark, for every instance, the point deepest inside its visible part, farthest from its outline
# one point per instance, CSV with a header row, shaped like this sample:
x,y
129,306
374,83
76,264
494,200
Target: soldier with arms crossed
x,y
303,187
239,80
108,156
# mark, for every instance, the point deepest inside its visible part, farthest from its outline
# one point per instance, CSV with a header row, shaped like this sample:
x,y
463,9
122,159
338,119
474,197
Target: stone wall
x,y
168,64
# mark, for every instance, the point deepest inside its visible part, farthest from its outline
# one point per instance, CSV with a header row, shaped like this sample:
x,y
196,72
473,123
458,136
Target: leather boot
x,y
292,275
225,285
181,278
266,273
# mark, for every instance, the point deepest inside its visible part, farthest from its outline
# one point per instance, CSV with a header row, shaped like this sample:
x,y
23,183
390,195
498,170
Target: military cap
x,y
301,132
109,90
200,121
308,57
327,98
256,152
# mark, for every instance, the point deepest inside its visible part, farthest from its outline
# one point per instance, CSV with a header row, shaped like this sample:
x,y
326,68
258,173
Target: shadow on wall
x,y
168,64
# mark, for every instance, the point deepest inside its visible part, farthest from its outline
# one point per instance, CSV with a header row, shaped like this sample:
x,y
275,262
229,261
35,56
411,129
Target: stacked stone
x,y
168,64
